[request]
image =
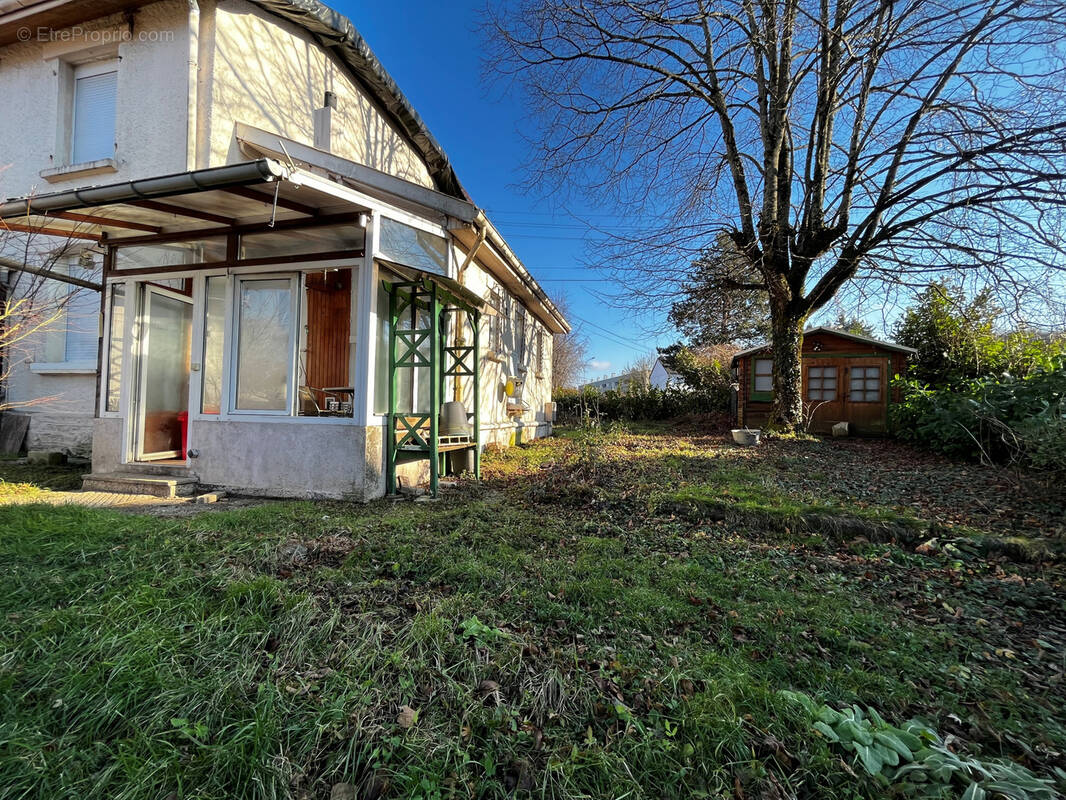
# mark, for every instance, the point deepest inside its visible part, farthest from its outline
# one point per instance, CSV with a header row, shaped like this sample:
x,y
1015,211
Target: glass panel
x,y
200,251
214,324
325,350
381,353
293,241
764,383
115,345
264,345
166,373
413,247
764,366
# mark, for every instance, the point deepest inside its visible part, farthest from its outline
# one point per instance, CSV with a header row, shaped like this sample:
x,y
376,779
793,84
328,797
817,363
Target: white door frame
x,y
147,289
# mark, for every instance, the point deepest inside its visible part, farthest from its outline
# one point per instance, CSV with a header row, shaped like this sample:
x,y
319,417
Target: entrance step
x,y
140,483
163,468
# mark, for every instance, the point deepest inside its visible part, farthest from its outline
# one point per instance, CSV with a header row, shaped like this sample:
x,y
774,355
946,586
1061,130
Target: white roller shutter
x,y
95,91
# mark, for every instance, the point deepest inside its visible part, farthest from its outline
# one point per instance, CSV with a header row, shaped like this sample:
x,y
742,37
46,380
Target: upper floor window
x,y
93,119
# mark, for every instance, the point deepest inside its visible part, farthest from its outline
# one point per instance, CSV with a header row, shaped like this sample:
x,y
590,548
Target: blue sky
x,y
432,50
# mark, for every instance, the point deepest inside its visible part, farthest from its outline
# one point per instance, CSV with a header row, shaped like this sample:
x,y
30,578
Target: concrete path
x,y
92,499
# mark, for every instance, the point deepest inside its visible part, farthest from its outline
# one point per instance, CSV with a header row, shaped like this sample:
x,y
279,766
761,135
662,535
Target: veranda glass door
x,y
163,402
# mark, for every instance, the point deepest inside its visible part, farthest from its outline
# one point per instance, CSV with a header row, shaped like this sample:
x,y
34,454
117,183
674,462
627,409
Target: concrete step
x,y
140,483
166,470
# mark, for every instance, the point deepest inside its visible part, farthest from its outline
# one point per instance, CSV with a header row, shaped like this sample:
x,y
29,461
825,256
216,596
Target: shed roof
x,y
855,337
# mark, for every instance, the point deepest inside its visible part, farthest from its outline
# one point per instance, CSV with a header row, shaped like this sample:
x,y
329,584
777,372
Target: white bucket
x,y
748,437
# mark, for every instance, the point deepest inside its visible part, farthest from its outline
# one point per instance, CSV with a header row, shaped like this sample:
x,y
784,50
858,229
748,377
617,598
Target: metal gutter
x,y
264,169
481,222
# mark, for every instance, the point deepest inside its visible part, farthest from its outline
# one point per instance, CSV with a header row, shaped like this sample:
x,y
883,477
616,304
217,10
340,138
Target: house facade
x,y
294,282
845,377
662,377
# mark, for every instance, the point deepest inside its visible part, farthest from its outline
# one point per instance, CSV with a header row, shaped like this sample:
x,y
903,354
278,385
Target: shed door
x,y
866,390
823,392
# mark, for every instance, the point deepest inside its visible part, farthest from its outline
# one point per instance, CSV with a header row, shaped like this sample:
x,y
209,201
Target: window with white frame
x,y
290,347
864,385
92,135
821,384
264,347
495,338
71,340
763,375
541,350
519,332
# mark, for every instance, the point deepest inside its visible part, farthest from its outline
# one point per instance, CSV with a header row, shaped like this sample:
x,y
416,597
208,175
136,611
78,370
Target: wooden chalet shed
x,y
845,378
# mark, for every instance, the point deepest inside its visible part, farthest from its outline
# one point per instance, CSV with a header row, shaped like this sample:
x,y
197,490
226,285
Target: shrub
x,y
956,338
639,403
998,419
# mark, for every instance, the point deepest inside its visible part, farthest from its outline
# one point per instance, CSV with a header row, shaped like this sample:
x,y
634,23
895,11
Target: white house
x,y
662,377
296,287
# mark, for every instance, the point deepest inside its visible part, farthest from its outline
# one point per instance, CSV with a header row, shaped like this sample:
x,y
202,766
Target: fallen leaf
x,y
407,717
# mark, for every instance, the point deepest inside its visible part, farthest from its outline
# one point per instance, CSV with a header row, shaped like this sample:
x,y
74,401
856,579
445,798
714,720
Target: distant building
x,y
662,377
623,382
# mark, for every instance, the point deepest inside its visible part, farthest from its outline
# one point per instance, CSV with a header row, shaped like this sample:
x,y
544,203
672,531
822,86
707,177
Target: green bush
x,y
958,339
638,403
998,419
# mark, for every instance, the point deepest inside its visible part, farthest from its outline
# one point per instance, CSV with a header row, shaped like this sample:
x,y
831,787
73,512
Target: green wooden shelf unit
x,y
419,314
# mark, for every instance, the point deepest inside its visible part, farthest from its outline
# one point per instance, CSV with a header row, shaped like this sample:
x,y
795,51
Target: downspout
x,y
460,339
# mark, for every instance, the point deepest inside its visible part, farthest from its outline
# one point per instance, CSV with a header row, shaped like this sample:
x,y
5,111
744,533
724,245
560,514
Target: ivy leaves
x,y
915,759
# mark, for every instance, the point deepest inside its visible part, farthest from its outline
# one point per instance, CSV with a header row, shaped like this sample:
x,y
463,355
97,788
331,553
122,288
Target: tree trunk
x,y
786,341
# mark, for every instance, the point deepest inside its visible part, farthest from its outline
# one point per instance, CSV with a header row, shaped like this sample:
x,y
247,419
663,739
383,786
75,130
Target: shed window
x,y
93,131
821,384
865,385
764,375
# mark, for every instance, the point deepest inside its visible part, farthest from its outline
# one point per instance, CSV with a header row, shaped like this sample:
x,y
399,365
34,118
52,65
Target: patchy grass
x,y
26,482
551,633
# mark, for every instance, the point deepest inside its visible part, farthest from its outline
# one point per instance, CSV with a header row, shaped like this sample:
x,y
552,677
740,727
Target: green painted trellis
x,y
425,306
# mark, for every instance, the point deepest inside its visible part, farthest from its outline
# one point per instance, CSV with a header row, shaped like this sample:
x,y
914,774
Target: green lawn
x,y
564,630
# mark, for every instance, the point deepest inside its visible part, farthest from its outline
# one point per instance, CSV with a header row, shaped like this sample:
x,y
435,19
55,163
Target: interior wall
x,y
326,356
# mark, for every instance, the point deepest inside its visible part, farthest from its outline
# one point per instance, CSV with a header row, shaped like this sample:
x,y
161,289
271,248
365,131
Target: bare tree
x,y
36,296
569,353
639,370
838,144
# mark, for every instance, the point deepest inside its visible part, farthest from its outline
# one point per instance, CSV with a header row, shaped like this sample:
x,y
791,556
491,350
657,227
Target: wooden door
x,y
866,394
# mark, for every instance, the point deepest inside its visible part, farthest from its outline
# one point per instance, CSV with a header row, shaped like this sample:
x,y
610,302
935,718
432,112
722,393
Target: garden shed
x,y
846,377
